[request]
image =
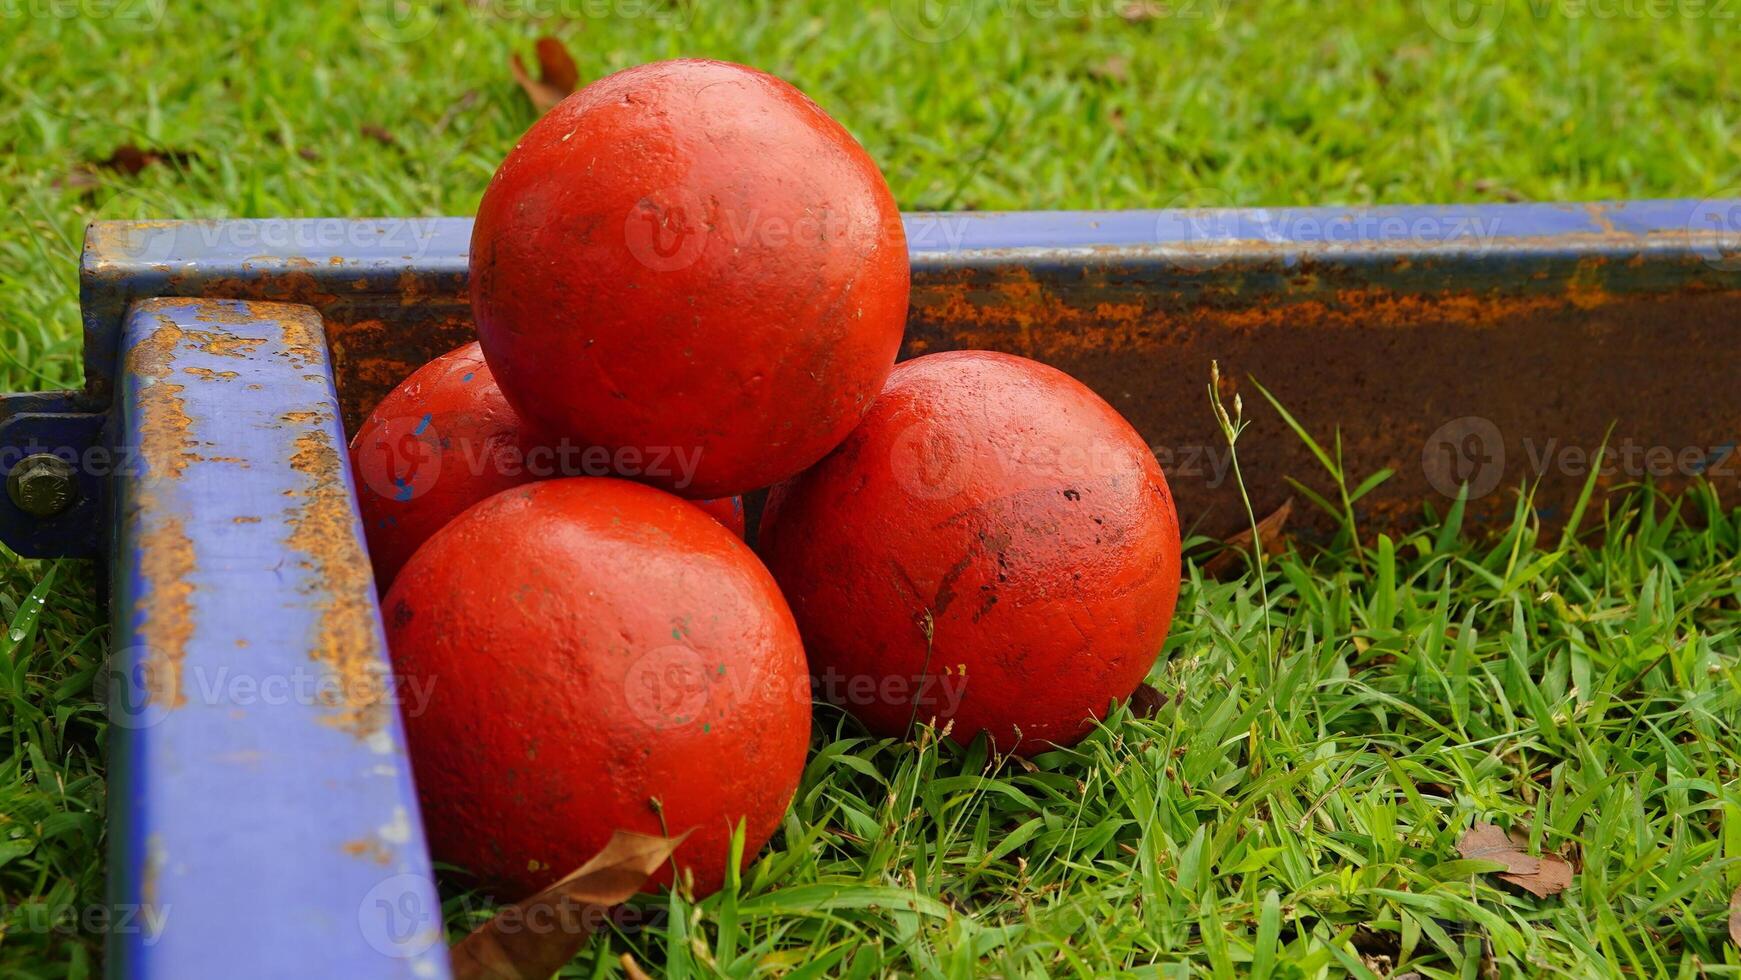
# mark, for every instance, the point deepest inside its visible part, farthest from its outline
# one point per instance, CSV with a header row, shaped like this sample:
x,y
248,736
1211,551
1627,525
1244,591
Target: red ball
x,y
691,259
589,647
445,439
440,442
726,510
994,546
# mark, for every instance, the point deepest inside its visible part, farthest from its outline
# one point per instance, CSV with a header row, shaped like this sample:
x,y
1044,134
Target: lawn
x,y
1331,726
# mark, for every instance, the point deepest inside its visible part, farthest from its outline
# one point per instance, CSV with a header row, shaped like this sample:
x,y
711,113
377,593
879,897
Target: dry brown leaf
x,y
1542,876
1138,11
79,178
379,134
508,947
129,160
1113,69
1145,701
1552,877
557,75
1735,917
1485,842
1239,545
633,970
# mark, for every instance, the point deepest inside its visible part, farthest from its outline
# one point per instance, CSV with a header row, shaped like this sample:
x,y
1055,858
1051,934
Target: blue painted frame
x,y
263,818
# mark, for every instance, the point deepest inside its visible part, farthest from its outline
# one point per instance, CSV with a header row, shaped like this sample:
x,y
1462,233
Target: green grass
x,y
1588,693
1298,815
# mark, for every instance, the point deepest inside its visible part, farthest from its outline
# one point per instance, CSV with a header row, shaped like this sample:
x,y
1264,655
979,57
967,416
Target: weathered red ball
x,y
596,655
994,546
440,442
726,510
445,439
691,257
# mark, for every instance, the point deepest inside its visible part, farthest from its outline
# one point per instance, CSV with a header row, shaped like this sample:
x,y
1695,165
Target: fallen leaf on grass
x,y
1541,876
129,160
79,178
557,74
1269,530
1113,69
1138,11
1554,877
379,134
1735,917
505,949
1145,701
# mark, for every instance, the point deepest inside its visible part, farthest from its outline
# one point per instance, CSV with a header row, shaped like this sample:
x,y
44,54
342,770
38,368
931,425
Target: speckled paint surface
x,y
692,256
994,547
603,656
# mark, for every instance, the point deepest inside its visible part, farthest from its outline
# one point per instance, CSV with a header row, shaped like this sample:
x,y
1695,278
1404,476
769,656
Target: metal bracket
x,y
56,423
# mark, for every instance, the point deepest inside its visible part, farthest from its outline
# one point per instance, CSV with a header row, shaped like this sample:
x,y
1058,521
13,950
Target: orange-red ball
x,y
597,655
440,442
445,439
691,258
994,547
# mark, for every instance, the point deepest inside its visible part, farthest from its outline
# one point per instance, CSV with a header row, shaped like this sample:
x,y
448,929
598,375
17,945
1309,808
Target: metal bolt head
x,y
42,485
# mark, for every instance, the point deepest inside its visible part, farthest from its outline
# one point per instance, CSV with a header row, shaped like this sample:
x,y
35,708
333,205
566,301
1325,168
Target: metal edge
x,y
364,261
263,818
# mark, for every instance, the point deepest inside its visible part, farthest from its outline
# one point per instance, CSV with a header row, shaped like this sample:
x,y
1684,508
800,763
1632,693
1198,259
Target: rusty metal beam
x,y
1491,344
262,821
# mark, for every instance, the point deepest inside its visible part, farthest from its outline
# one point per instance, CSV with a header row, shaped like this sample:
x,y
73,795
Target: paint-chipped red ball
x,y
598,655
726,510
994,547
692,257
445,439
440,442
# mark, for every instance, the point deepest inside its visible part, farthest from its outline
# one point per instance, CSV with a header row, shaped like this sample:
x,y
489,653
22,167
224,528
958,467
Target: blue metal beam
x,y
263,822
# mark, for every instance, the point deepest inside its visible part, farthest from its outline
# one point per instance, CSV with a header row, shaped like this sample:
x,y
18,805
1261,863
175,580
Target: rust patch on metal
x,y
231,312
302,418
378,330
1020,314
301,344
371,356
150,357
207,374
165,610
1388,368
166,556
370,849
164,438
221,343
323,533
